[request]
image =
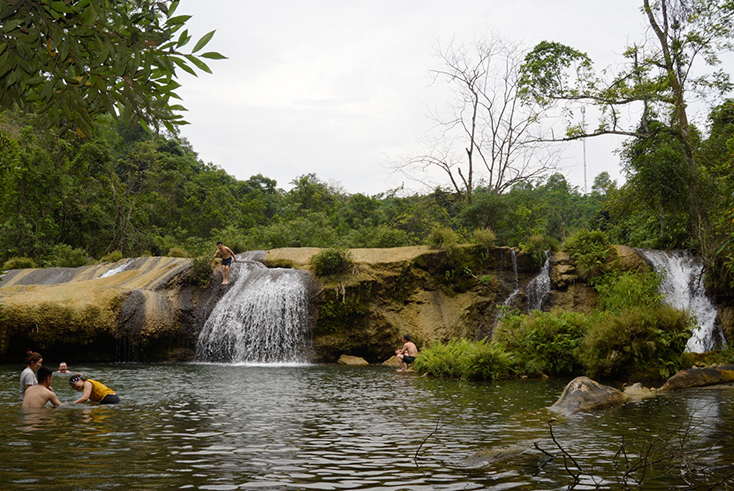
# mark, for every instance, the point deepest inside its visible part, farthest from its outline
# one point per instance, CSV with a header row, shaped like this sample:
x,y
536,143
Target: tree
x,y
74,60
490,137
657,80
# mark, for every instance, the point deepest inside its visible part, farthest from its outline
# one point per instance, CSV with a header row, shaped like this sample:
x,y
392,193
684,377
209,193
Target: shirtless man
x,y
407,354
227,258
40,394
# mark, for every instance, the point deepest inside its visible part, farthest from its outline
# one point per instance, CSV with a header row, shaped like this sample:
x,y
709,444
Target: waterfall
x,y
684,288
539,287
262,319
515,289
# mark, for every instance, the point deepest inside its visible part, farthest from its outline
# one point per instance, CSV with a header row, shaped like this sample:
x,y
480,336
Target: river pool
x,y
318,427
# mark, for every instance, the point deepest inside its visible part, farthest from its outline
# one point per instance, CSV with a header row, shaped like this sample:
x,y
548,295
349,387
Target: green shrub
x,y
536,245
65,256
19,263
543,342
443,238
484,237
486,280
331,262
489,362
639,342
464,359
233,237
590,251
177,252
112,257
627,290
200,273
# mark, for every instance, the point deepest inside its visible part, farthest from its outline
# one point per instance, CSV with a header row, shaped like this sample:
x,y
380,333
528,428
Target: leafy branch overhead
x,y
74,60
675,64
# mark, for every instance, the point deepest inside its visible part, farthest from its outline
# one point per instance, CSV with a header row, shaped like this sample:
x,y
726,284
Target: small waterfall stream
x,y
539,287
262,319
510,300
684,287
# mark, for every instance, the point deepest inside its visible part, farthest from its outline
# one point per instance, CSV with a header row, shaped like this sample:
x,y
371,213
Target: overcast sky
x,y
340,88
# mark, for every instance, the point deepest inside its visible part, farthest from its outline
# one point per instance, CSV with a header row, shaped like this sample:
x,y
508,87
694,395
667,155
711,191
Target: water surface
x,y
224,427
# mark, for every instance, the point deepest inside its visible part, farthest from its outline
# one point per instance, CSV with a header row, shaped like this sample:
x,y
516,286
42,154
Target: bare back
x,y
39,396
410,348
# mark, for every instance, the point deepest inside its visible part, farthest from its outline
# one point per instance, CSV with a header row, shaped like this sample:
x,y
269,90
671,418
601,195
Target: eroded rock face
x,y
699,377
584,394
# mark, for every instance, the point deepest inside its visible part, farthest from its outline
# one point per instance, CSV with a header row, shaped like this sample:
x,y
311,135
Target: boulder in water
x,y
638,392
700,377
584,394
355,361
392,362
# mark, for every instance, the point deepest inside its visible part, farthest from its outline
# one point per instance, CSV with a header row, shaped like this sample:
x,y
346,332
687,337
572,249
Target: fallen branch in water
x,y
415,457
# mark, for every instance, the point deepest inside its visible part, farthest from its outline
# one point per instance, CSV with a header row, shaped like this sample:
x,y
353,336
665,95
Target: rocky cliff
x,y
148,310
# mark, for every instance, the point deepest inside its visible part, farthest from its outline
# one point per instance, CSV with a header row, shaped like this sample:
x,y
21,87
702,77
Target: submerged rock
x,y
584,394
699,377
638,392
489,457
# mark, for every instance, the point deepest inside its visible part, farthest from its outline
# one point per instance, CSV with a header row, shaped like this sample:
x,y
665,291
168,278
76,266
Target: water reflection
x,y
190,426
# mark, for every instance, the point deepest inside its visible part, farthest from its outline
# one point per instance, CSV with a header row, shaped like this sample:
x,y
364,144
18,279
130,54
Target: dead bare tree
x,y
488,136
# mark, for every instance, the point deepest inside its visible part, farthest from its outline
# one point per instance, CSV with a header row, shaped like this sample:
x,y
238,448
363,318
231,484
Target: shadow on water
x,y
218,427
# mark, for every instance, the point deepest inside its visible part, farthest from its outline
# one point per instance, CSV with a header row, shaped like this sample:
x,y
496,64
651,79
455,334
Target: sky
x,y
342,88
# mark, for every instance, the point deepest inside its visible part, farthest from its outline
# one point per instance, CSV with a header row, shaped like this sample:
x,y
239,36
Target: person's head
x,y
219,244
63,368
44,376
406,338
77,382
33,360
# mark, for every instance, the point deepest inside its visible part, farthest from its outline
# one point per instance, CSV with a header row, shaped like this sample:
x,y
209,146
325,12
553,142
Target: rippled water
x,y
221,427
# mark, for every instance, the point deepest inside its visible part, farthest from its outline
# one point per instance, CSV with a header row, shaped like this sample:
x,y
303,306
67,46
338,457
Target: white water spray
x,y
539,287
684,288
263,318
119,269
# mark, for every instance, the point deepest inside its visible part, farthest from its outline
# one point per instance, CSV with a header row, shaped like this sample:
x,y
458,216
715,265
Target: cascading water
x,y
539,287
683,285
507,304
262,319
118,269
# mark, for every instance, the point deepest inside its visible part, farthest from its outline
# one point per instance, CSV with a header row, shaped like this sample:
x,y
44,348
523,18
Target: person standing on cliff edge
x,y
407,354
227,258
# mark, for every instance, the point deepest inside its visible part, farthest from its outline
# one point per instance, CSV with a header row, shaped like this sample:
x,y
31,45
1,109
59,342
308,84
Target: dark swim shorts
x,y
408,359
227,262
110,399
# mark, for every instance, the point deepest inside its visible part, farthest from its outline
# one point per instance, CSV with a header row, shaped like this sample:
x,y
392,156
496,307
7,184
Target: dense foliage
x,y
632,336
64,198
72,61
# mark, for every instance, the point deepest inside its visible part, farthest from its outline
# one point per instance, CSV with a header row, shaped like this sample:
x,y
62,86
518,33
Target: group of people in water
x,y
36,390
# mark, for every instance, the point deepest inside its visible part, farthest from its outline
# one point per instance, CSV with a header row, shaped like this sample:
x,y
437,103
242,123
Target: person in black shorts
x,y
406,355
227,258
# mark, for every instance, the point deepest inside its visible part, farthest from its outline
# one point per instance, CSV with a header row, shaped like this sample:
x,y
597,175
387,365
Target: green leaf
x,y
203,41
183,39
184,66
213,55
178,21
200,64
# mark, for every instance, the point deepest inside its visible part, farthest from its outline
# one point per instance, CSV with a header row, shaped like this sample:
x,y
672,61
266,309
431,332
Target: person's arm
x,y
54,400
232,253
85,395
